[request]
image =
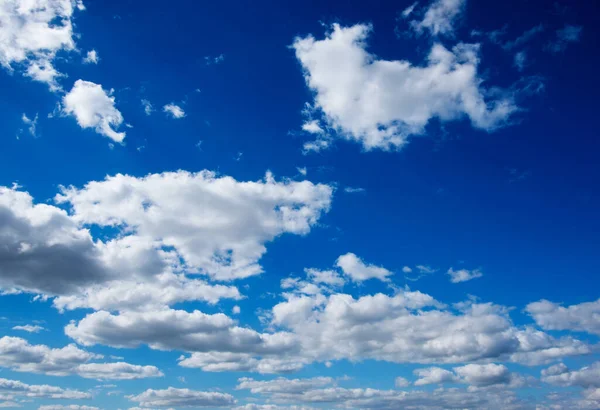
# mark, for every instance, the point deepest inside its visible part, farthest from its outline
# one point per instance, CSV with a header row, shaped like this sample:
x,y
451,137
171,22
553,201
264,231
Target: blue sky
x,y
317,205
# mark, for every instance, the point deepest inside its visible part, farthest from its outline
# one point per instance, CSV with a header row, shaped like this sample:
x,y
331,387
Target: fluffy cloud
x,y
17,388
463,275
483,374
67,407
440,17
29,328
173,397
282,385
94,108
380,103
33,32
173,110
18,355
358,271
552,316
91,57
561,375
218,225
434,375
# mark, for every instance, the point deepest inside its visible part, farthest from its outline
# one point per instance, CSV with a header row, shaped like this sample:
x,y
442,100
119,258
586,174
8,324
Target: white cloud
x,y
18,355
173,397
31,35
236,310
282,385
521,60
407,269
358,271
408,11
381,103
29,328
302,171
561,375
173,110
565,36
20,389
401,382
580,318
94,108
148,109
117,371
434,375
463,275
483,374
32,123
218,225
440,17
352,190
67,407
91,57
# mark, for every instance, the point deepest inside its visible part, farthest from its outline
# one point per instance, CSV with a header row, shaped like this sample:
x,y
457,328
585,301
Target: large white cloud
x,y
561,375
32,33
552,316
380,103
17,354
218,225
94,108
173,397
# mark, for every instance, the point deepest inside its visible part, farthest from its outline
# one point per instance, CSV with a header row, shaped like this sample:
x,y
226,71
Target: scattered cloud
x,y
148,109
565,36
440,17
91,57
174,111
185,398
93,107
208,60
29,328
32,123
578,318
463,275
358,271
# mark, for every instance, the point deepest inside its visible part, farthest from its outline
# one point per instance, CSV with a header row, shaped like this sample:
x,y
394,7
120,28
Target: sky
x,y
299,205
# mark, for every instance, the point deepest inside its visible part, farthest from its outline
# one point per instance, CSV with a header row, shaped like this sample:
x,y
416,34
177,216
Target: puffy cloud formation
x,y
358,271
463,275
94,108
439,17
29,328
173,110
91,57
561,375
33,32
17,354
217,224
173,397
20,389
380,103
552,316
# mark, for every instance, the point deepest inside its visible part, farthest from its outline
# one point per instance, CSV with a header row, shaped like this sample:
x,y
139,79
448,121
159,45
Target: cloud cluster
x,y
33,32
183,398
580,318
20,389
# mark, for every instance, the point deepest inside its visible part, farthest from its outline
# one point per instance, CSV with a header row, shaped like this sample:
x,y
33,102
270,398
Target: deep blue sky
x,y
520,203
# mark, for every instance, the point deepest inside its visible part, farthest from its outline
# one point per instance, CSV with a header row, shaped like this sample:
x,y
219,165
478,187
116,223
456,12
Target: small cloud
x,y
401,382
91,57
199,145
565,36
312,127
406,269
209,60
181,379
463,275
31,122
148,109
29,328
302,171
408,11
352,190
236,310
174,110
520,60
239,156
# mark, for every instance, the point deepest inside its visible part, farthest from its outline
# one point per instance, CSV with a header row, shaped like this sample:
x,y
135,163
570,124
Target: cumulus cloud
x,y
381,103
173,397
434,375
94,108
553,316
67,407
463,275
18,355
91,57
561,375
439,18
173,110
31,35
218,225
359,271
